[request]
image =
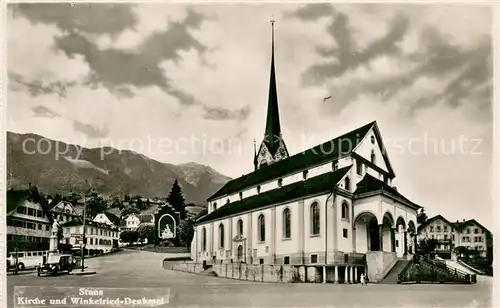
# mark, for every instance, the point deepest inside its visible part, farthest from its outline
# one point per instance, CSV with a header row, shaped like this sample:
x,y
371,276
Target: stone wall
x,y
254,272
183,266
379,263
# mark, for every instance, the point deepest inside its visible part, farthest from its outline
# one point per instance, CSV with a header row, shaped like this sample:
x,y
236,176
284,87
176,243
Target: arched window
x,y
315,218
372,157
304,174
372,139
347,184
287,228
215,206
262,228
204,239
280,182
241,195
240,227
227,201
345,210
258,189
359,167
221,235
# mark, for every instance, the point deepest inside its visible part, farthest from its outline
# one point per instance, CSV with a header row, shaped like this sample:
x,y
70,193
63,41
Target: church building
x,y
331,206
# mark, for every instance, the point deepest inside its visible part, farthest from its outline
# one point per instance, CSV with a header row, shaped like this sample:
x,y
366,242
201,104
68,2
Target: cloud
x,y
89,18
89,130
197,72
312,11
38,87
347,56
44,112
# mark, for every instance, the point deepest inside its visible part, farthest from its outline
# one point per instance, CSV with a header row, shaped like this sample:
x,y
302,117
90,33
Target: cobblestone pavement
x,y
139,269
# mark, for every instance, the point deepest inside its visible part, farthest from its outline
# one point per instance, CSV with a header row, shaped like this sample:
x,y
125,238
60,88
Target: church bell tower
x,y
272,148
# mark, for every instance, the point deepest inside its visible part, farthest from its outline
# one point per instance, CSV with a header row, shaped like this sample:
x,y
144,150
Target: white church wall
x,y
344,243
314,243
370,204
287,246
366,147
361,237
261,249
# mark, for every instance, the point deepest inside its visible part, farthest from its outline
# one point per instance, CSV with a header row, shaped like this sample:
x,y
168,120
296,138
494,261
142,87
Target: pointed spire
x,y
273,129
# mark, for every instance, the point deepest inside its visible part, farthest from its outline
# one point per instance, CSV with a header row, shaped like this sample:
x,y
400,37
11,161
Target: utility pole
x,y
84,243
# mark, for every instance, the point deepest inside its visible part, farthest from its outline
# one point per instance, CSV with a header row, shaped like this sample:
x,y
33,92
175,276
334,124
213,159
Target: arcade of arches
x,y
388,235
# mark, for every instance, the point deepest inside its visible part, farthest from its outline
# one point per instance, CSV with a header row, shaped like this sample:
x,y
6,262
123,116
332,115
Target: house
x,y
332,207
467,233
62,210
107,218
29,219
133,221
100,237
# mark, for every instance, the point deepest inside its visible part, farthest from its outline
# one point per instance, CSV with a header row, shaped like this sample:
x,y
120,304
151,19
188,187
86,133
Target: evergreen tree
x,y
176,199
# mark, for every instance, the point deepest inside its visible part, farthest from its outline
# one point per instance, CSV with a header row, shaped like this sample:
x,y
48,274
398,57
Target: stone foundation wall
x,y
272,272
379,263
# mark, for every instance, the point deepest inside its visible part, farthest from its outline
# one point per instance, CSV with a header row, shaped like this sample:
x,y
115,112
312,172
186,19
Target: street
x,y
140,269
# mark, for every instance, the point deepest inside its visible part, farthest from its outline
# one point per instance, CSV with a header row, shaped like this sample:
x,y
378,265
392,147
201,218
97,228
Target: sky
x,y
189,83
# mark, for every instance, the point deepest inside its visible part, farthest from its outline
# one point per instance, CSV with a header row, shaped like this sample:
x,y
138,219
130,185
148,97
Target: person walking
x,y
363,279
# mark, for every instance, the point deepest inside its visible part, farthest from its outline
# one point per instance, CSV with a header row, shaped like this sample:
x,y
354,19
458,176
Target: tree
x,y
129,210
95,205
176,199
185,230
421,216
426,246
129,237
146,231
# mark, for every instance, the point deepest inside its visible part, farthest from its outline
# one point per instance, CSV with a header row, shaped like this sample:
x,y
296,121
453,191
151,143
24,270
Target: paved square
x,y
138,269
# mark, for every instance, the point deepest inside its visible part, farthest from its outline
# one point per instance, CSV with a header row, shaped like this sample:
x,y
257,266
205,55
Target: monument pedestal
x,y
53,244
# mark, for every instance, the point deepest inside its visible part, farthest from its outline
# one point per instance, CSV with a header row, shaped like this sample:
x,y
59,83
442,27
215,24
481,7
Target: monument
x,y
53,238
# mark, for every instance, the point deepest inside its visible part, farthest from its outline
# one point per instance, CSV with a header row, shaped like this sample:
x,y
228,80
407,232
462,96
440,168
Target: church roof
x,y
372,184
335,148
314,185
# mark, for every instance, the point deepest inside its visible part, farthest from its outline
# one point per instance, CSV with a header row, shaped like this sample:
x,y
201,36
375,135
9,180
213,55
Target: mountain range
x,y
130,173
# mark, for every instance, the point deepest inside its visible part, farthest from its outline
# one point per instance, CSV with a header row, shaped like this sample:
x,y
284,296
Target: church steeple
x,y
272,134
273,147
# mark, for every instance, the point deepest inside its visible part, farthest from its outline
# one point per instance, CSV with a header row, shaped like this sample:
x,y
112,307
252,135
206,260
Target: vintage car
x,y
56,264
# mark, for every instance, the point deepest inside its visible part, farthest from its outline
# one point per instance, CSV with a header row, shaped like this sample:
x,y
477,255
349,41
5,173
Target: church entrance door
x,y
240,253
373,231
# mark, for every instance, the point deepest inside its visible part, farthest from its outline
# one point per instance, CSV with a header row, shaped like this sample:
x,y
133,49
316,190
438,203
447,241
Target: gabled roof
x,y
113,218
429,220
314,185
380,142
335,148
17,197
371,184
462,224
74,223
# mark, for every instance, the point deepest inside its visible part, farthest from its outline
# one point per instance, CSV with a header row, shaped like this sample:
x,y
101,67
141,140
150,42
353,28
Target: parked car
x,y
56,264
